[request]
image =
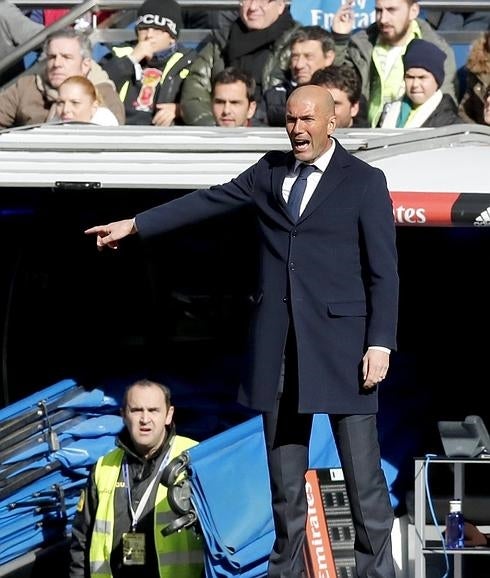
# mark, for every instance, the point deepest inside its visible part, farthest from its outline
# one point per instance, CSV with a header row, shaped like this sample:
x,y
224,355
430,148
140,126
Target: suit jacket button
x,y
285,299
294,233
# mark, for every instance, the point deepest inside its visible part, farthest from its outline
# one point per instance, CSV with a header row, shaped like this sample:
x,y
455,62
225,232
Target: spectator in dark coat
x,y
149,73
257,43
312,48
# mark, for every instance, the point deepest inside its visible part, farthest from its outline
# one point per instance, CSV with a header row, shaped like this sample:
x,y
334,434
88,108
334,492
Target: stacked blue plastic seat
x,y
50,440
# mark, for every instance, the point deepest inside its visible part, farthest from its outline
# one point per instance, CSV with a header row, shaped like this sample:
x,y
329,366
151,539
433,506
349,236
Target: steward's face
x,y
146,416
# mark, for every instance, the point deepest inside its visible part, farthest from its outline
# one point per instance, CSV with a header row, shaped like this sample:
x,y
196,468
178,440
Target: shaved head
x,y
310,120
314,93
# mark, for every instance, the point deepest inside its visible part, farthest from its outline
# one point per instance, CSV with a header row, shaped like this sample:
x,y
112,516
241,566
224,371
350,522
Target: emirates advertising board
x,y
440,209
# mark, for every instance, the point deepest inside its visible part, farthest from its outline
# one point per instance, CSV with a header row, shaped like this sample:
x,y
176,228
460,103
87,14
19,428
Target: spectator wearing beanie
x,y
423,105
149,72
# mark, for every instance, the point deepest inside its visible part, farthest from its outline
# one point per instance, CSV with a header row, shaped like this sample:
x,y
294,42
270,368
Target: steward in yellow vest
x,y
117,530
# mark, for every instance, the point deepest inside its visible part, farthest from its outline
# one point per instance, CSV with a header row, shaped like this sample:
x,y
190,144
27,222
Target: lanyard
x,y
136,515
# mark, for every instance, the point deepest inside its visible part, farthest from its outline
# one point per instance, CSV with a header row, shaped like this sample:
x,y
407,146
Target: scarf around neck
x,y
244,42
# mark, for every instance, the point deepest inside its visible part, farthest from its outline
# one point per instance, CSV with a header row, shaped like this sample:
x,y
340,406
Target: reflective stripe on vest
x,y
164,518
183,557
103,526
100,569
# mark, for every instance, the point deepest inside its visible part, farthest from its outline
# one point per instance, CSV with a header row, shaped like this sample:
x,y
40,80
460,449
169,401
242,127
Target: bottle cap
x,y
455,505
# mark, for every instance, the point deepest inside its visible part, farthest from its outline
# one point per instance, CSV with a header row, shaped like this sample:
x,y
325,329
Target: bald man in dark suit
x,y
324,320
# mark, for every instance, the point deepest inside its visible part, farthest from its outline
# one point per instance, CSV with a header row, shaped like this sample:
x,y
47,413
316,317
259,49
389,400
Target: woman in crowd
x,y
78,100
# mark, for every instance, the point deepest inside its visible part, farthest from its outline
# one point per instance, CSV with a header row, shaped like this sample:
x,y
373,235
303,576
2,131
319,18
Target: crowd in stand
x,y
398,72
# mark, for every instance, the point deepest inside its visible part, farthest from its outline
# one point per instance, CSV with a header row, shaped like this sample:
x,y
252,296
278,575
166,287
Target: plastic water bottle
x,y
454,526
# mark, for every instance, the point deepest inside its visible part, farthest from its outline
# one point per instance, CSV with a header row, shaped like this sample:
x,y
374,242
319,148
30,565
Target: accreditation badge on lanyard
x,y
133,549
134,544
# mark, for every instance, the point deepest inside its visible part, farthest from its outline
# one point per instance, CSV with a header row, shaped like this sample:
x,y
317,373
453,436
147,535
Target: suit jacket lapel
x,y
278,175
337,171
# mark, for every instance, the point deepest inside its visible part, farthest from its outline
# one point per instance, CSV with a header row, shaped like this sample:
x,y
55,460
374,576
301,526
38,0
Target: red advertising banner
x,y
441,209
318,550
429,209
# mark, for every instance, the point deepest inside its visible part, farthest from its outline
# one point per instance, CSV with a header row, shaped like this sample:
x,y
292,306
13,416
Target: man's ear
x,y
252,107
281,6
330,57
414,11
86,66
170,415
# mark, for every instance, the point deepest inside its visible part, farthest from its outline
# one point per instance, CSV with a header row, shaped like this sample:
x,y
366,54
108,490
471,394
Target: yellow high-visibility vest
x,y
180,555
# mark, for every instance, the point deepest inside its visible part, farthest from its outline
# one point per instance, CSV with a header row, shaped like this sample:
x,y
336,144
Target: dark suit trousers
x,y
287,435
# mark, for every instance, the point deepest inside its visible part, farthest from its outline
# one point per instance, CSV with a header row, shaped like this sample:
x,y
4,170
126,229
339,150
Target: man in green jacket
x,y
377,53
257,43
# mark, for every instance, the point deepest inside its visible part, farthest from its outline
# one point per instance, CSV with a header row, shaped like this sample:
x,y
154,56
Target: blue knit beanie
x,y
426,55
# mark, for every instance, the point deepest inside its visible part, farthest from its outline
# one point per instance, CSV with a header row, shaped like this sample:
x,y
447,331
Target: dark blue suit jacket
x,y
333,274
